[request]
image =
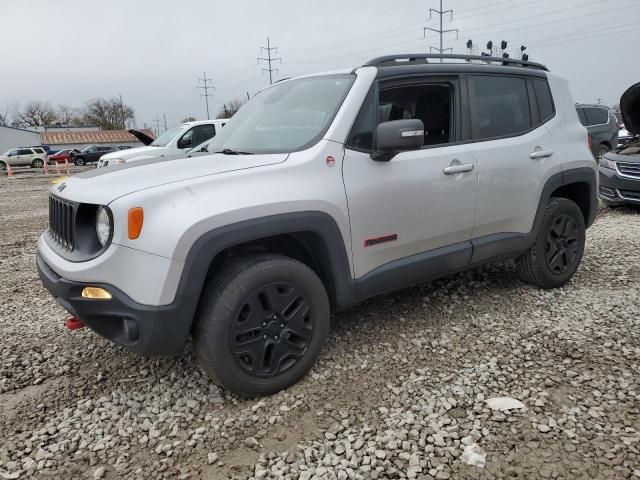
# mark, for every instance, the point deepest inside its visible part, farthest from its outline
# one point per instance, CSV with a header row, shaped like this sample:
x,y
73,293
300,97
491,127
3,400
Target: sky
x,y
153,52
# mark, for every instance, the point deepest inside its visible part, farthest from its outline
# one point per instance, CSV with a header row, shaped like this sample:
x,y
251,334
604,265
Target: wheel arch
x,y
313,238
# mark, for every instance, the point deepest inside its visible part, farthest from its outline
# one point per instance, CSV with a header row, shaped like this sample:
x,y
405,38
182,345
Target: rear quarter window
x,y
597,116
544,99
499,107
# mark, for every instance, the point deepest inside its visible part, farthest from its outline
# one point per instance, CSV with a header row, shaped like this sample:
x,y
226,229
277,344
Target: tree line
x,y
106,113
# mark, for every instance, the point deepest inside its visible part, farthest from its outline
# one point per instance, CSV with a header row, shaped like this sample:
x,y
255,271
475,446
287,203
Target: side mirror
x,y
397,136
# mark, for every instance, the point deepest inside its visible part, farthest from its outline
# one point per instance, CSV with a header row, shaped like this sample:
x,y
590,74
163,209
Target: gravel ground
x,y
398,393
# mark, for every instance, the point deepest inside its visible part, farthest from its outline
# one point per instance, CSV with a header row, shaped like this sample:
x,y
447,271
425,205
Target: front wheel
x,y
262,323
37,163
79,162
557,252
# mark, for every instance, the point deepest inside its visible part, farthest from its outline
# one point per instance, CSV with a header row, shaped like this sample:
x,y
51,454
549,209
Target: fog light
x,y
96,293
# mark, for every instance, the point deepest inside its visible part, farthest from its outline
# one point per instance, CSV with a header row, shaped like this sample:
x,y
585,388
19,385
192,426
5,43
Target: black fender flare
x,y
209,245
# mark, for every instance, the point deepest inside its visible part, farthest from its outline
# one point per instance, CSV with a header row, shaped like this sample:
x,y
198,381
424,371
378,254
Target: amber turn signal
x,y
136,219
96,293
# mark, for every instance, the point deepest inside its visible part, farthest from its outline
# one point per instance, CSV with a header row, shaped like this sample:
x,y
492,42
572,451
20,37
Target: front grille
x,y
61,222
608,192
629,169
629,195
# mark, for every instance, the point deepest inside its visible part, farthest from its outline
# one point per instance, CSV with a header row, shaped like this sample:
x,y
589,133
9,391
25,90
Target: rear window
x,y
499,107
544,99
597,116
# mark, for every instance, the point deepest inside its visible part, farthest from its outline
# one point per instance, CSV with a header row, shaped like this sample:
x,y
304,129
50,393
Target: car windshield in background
x,y
164,139
286,117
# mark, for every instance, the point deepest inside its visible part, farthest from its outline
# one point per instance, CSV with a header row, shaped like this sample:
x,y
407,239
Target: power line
x,y
441,13
269,59
206,84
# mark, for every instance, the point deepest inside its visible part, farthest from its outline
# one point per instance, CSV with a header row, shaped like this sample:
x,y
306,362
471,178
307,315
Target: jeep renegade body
x,y
320,192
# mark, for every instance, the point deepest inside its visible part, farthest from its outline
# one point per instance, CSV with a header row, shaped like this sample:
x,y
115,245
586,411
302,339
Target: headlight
x,y
604,163
103,226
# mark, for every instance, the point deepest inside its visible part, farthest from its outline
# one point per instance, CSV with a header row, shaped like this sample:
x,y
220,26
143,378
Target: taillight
x,y
590,141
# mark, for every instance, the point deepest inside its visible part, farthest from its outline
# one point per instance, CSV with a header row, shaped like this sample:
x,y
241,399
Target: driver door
x,y
410,205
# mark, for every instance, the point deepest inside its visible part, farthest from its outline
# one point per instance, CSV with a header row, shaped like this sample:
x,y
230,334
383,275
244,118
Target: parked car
x,y
23,156
323,191
91,154
61,156
620,168
177,140
602,125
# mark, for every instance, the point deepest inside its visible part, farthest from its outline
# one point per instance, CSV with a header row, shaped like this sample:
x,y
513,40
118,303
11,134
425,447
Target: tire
x,y
556,254
261,325
37,163
3,166
79,162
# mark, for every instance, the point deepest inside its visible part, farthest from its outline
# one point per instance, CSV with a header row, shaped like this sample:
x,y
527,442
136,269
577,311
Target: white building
x,y
17,137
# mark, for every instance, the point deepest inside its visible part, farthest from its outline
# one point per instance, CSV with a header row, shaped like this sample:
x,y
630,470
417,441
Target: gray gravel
x,y
399,392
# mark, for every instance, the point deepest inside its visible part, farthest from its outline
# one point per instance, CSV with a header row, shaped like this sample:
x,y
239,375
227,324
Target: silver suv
x,y
320,192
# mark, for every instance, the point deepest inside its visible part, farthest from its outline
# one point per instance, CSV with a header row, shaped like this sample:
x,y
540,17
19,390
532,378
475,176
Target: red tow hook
x,y
74,323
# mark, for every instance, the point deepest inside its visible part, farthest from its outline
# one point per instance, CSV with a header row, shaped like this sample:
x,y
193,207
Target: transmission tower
x,y
269,59
441,32
206,84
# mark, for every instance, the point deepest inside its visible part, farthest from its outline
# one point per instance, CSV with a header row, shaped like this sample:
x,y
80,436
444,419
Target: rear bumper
x,y
145,330
618,190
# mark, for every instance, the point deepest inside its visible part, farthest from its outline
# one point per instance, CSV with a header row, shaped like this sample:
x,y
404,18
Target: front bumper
x,y
145,330
618,190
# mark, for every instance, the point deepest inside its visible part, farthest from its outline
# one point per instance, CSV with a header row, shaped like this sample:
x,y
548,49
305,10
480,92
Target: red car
x,y
61,156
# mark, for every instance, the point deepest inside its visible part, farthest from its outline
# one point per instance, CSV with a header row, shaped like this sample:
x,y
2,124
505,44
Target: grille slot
x,y
629,169
629,195
61,222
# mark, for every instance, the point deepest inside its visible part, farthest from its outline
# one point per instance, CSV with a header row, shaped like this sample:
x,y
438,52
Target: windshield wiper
x,y
228,151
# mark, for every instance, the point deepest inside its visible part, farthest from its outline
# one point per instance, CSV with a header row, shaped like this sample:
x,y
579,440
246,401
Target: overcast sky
x,y
153,52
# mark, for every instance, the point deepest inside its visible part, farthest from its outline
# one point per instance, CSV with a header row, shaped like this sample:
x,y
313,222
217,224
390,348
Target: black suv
x,y
91,154
602,125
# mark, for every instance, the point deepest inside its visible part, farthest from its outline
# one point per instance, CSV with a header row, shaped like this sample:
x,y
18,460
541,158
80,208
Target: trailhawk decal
x,y
370,242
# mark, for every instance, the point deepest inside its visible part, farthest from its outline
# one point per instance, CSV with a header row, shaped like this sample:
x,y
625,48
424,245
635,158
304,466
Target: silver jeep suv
x,y
320,192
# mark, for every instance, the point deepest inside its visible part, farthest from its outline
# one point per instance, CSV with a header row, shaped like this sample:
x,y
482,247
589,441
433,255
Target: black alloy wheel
x,y
271,330
563,243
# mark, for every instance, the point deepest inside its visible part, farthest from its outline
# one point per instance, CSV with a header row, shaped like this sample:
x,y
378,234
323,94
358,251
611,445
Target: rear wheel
x,y
79,161
556,254
3,166
37,163
262,323
602,150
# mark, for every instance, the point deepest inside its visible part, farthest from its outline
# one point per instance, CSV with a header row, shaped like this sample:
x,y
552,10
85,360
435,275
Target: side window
x,y
582,116
499,107
187,140
431,103
13,153
25,151
202,133
544,99
597,116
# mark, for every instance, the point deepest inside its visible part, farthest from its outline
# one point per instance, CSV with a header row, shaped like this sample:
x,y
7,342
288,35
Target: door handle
x,y
541,154
453,169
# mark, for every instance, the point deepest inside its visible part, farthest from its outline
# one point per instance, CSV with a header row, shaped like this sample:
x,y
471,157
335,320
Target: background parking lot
x,y
399,390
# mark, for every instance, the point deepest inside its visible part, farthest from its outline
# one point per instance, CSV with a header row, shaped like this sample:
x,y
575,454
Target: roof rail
x,y
423,58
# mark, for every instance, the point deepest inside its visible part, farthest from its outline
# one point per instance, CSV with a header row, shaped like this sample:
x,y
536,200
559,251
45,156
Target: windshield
x,y
164,139
286,117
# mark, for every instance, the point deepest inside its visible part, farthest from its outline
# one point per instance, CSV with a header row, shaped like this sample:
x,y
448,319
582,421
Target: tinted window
x,y
597,116
499,107
25,151
361,136
544,99
583,117
202,133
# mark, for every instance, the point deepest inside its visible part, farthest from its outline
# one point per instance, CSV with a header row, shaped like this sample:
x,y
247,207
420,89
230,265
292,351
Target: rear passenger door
x,y
515,150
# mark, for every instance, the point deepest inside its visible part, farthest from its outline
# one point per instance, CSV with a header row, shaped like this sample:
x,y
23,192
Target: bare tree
x,y
65,114
36,114
188,119
5,117
108,114
229,109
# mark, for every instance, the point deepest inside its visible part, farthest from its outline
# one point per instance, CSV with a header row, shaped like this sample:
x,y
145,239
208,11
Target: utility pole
x,y
441,13
122,112
269,59
599,101
164,115
206,84
156,123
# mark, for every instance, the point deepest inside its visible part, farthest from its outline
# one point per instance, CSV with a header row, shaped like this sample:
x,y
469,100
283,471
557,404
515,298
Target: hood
x,y
630,108
148,152
104,185
143,137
